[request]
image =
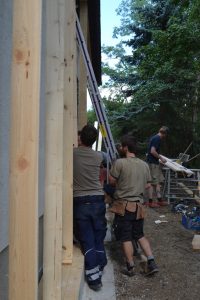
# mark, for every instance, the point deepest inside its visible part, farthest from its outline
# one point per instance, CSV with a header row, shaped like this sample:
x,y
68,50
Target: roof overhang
x,y
94,28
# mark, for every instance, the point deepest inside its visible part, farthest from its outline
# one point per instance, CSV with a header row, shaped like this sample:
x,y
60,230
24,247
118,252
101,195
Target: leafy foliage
x,y
158,81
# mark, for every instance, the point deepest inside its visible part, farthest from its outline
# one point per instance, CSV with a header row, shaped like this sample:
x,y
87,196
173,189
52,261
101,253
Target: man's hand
x,y
162,159
156,155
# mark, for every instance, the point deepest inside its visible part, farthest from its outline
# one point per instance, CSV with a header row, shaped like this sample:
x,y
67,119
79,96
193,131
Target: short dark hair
x,y
164,130
129,141
88,135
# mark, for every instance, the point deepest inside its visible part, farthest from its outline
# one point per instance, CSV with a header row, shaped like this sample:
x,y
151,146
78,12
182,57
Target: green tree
x,y
91,116
160,78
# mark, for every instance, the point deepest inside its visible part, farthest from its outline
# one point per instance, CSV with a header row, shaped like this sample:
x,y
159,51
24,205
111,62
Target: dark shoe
x,y
151,267
129,273
95,287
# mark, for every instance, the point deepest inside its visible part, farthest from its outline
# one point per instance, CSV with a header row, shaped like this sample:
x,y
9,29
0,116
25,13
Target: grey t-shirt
x,y
132,175
86,164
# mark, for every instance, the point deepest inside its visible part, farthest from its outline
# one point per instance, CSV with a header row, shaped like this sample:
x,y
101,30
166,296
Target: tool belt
x,y
119,207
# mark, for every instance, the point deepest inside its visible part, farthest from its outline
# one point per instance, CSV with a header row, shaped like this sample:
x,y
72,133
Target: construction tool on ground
x,y
96,98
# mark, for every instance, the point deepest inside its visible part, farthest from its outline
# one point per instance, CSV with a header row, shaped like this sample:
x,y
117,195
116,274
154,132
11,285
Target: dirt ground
x,y
179,265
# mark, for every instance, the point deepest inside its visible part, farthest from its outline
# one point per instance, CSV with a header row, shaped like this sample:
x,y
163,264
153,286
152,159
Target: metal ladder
x,y
96,97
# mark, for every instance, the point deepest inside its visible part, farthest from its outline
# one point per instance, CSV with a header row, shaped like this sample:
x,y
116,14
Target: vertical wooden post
x,y
24,147
82,104
70,98
54,150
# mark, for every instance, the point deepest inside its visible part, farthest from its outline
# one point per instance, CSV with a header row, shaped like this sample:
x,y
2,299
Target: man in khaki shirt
x,y
131,176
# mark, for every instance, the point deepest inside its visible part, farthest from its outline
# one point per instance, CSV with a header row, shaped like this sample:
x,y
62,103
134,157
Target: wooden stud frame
x,y
24,148
54,149
70,100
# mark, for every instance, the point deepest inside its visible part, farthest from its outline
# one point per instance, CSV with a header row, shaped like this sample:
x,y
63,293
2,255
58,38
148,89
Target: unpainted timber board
x,y
24,148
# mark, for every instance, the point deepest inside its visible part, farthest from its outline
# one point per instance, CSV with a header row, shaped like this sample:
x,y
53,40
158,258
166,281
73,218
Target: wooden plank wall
x,y
70,132
61,135
24,147
55,13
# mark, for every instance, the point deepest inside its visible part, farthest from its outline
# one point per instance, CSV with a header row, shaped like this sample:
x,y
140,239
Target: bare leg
x,y
151,265
150,191
144,243
159,196
158,191
128,251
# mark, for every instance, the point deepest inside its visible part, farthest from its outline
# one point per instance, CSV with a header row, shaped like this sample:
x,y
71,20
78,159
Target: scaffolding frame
x,y
178,186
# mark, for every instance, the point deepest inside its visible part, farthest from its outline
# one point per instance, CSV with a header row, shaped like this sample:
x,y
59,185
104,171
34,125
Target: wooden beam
x,y
82,97
70,99
24,148
73,275
189,192
54,149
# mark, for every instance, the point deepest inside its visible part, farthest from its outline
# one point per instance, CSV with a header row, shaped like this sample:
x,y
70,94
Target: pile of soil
x,y
179,265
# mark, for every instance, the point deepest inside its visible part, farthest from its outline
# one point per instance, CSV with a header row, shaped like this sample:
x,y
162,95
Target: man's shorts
x,y
127,228
156,174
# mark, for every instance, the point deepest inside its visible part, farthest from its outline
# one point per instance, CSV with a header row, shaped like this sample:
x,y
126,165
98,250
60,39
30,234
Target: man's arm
x,y
112,180
115,172
156,154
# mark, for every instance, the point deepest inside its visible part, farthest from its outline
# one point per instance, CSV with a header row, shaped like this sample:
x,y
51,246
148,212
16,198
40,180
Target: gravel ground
x,y
179,265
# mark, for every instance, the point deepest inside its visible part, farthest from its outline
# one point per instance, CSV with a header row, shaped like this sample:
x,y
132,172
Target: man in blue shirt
x,y
153,156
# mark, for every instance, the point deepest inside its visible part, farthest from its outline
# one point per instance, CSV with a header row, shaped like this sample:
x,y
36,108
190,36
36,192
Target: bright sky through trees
x,y
109,19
